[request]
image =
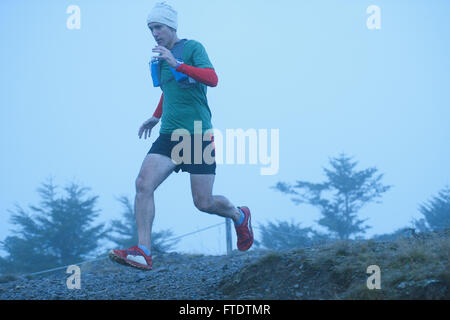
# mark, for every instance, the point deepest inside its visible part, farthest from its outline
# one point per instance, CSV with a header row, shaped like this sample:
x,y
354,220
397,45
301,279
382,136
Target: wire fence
x,y
169,239
103,258
63,267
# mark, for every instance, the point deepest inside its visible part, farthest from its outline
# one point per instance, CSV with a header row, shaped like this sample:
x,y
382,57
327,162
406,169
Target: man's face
x,y
163,34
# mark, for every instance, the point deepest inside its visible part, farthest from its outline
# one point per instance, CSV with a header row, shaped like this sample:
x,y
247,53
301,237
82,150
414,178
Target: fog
x,y
72,101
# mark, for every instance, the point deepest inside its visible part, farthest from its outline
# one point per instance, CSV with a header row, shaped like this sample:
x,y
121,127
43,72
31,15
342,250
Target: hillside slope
x,y
415,267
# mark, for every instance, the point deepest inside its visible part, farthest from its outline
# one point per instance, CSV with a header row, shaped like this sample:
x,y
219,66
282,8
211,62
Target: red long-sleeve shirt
x,y
204,75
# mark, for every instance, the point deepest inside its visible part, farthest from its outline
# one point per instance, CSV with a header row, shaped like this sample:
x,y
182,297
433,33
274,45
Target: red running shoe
x,y
244,231
134,257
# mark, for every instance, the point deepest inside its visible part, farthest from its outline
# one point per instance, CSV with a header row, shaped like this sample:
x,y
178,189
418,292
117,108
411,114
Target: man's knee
x,y
143,186
203,204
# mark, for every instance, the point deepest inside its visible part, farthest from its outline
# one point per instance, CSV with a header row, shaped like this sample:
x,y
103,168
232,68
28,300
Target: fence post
x,y
228,235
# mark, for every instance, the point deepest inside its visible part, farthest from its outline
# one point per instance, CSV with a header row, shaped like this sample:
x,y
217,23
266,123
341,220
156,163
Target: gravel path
x,y
174,276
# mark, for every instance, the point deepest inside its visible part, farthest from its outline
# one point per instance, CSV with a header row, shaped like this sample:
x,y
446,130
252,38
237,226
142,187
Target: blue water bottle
x,y
154,69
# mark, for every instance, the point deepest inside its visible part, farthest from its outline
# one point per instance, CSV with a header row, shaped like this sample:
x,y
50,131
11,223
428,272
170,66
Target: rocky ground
x,y
414,267
174,276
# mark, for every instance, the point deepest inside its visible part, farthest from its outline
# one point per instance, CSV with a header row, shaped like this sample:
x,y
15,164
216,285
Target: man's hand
x,y
165,54
147,126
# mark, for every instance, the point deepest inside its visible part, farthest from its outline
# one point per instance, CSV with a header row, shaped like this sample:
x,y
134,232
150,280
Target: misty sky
x,y
72,102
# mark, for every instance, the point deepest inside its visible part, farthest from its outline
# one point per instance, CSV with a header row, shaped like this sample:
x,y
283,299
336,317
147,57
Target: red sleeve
x,y
158,111
204,75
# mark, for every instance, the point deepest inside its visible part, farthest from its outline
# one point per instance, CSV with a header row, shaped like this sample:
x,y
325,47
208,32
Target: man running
x,y
183,71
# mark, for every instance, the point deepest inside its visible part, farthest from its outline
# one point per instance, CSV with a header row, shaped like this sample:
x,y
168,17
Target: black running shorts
x,y
202,153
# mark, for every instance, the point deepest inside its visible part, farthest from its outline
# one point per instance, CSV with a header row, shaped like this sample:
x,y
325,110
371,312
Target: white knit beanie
x,y
165,14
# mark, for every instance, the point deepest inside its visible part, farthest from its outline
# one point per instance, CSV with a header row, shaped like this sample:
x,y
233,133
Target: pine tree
x,y
341,197
436,212
58,232
284,235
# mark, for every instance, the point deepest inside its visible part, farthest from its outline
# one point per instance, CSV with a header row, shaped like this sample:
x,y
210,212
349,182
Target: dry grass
x,y
411,268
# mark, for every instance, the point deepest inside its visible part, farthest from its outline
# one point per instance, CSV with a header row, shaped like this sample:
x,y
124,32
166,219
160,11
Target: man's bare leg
x,y
205,201
155,169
